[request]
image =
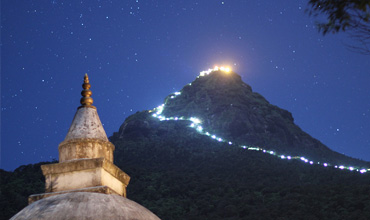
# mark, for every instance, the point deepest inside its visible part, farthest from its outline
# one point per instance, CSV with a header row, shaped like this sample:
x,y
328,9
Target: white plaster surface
x,y
85,205
86,124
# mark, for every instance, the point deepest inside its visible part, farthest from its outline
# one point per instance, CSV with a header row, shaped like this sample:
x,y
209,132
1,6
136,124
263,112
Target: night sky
x,y
137,52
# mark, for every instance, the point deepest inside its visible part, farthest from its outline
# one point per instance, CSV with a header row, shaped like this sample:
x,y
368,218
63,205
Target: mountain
x,y
223,105
189,159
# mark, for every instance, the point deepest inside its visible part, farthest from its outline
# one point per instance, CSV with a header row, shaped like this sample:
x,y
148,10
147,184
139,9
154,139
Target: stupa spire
x,y
85,157
86,100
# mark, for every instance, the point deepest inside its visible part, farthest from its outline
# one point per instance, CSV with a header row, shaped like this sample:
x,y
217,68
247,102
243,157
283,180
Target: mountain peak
x,y
219,104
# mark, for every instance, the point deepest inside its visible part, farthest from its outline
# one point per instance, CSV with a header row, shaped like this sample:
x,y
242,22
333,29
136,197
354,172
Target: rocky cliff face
x,y
227,107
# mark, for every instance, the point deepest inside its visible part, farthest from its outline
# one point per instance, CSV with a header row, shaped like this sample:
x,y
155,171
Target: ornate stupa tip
x,y
86,100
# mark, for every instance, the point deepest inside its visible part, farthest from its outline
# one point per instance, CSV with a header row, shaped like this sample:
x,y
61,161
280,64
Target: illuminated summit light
x,y
363,171
282,157
219,139
311,162
271,152
213,136
216,68
325,164
341,167
351,168
225,69
230,143
289,157
177,93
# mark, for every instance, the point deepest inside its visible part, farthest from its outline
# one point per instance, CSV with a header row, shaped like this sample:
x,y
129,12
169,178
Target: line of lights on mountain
x,y
197,125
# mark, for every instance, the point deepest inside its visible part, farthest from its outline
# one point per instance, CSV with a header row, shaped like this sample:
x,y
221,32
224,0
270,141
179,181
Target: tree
x,y
351,16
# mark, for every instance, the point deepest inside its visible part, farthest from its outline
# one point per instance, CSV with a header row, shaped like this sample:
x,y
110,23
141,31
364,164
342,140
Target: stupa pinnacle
x,y
86,100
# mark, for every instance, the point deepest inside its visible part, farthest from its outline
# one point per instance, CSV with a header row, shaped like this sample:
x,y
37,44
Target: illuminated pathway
x,y
197,125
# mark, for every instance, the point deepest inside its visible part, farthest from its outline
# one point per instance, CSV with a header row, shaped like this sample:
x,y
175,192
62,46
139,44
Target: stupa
x,y
85,184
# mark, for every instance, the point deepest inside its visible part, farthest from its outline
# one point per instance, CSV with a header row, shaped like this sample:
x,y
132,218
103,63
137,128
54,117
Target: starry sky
x,y
136,52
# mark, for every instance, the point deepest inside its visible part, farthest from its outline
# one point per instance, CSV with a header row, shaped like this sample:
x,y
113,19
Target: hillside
x,y
178,177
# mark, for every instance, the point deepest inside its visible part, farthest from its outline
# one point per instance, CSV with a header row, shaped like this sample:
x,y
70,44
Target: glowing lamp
x,y
195,120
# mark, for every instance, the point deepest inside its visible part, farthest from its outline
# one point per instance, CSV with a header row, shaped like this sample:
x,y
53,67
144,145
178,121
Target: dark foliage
x,y
192,178
16,186
352,16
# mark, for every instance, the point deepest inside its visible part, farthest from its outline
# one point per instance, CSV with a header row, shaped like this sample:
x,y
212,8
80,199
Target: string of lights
x,y
196,124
